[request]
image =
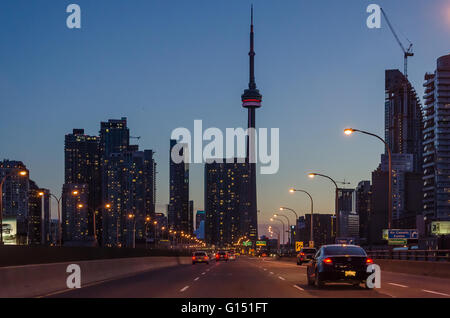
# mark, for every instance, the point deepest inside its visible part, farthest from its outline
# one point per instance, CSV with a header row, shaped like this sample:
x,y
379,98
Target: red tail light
x,y
328,261
206,257
302,254
217,256
193,258
369,261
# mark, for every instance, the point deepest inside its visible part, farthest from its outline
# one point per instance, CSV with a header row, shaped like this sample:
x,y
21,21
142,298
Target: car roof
x,y
341,245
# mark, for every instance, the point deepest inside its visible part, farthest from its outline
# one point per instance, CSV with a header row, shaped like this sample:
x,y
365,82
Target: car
x,y
200,257
305,255
231,256
338,263
221,256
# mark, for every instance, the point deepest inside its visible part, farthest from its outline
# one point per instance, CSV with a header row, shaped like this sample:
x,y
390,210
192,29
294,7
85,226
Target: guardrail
x,y
412,255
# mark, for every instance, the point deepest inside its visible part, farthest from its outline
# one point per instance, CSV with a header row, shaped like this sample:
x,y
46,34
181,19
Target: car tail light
x,y
328,261
206,257
193,258
369,261
217,256
302,254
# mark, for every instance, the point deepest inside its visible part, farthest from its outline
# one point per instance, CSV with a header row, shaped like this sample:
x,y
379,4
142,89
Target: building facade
x,y
436,142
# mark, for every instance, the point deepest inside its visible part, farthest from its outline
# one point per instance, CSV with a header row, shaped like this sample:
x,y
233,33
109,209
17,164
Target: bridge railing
x,y
412,255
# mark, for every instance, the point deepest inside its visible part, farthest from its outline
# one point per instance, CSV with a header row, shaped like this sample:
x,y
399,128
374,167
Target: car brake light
x,y
302,254
328,261
193,258
369,261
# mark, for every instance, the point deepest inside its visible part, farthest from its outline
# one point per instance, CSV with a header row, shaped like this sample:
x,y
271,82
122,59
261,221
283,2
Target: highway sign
x,y
402,234
298,246
311,244
398,242
260,243
247,243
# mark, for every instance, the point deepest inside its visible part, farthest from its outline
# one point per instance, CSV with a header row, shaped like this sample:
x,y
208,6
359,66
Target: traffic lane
x,y
392,284
295,275
239,279
159,283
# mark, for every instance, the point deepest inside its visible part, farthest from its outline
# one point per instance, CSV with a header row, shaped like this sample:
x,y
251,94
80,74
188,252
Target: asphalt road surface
x,y
251,278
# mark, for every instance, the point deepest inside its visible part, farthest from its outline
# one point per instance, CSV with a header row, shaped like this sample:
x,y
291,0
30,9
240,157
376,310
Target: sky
x,y
163,64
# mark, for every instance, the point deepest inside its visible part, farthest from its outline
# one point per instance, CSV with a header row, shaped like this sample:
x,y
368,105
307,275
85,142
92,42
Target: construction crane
x,y
406,52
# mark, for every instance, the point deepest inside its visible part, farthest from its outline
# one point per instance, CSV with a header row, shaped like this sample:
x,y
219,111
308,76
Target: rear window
x,y
309,250
199,254
344,250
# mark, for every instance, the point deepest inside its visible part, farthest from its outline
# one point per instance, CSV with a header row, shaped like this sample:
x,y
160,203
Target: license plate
x,y
350,273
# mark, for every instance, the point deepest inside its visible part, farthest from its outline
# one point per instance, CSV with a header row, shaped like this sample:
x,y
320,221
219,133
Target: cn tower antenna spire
x,y
252,83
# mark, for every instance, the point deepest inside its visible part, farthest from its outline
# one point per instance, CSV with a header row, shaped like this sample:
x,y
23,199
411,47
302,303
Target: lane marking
x,y
282,278
394,284
196,278
207,270
203,273
265,269
184,288
298,287
271,273
434,292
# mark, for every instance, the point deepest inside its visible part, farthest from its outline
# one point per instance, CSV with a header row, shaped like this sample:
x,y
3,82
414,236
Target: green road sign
x,y
398,241
260,243
247,243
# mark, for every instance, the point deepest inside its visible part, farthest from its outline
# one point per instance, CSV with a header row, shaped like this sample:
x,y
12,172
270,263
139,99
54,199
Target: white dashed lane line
x,y
271,273
298,287
203,273
196,278
398,285
282,278
434,292
183,289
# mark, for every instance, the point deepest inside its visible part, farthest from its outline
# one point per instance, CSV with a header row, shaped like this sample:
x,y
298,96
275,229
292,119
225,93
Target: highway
x,y
249,277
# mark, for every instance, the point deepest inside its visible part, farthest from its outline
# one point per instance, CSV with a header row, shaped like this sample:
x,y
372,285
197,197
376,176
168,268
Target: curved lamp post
x,y
336,208
274,219
348,132
289,225
292,190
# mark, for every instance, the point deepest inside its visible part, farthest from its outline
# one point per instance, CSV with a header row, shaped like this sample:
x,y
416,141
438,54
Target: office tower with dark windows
x,y
38,215
178,213
199,217
403,118
191,217
82,165
363,195
436,142
14,202
323,228
226,201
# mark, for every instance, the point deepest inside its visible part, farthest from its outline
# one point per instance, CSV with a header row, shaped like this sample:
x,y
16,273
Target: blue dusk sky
x,y
163,64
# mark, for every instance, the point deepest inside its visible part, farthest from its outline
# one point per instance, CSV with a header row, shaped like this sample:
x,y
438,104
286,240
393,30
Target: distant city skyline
x,y
164,65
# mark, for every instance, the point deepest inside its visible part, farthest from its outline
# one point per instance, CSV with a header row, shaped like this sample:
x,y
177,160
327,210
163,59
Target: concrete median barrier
x,y
43,279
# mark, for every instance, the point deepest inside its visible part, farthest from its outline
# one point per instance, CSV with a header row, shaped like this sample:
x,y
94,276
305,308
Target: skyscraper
x,y
226,200
403,118
436,140
14,202
178,214
82,165
251,99
363,195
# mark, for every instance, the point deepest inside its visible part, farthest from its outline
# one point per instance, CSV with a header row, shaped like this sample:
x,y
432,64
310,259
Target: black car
x,y
222,256
305,255
338,263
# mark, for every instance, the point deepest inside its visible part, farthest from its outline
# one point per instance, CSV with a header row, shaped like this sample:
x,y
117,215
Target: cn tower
x,y
251,99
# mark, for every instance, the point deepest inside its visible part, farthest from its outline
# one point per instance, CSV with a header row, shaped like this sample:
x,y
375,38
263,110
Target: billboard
x,y
9,230
440,227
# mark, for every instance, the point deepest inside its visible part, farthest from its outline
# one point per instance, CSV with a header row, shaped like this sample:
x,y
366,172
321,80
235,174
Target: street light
x,y
21,173
289,225
350,131
336,208
311,235
273,219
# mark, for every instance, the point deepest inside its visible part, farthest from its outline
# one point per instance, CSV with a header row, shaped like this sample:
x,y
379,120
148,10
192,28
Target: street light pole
x,y
336,207
289,226
311,235
348,132
272,219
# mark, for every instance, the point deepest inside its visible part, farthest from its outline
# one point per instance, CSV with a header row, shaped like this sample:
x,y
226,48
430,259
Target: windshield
x,y
199,254
344,250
